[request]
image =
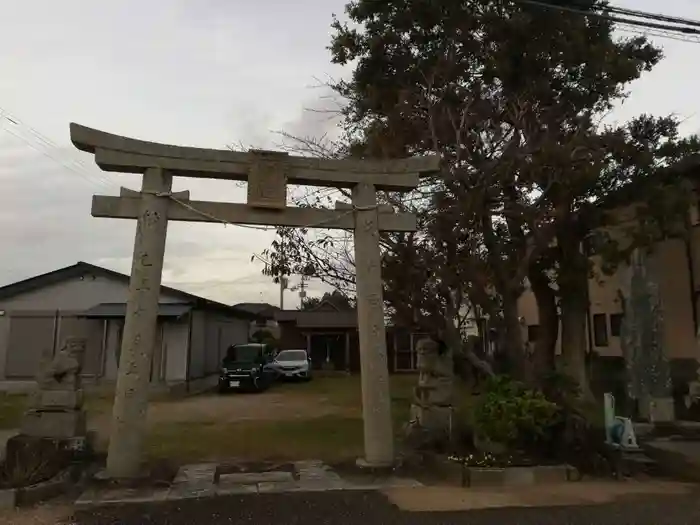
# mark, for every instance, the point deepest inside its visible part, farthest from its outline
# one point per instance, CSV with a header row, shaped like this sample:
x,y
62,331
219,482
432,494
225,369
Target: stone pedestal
x,y
661,410
431,410
58,424
427,410
56,399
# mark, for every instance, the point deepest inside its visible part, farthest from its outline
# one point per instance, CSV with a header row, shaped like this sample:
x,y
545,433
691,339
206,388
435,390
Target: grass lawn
x,y
332,438
12,407
332,434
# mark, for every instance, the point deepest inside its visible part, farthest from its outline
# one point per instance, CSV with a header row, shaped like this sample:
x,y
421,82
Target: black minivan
x,y
245,368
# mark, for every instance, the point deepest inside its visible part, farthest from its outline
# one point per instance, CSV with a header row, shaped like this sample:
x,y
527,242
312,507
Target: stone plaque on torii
x,y
267,174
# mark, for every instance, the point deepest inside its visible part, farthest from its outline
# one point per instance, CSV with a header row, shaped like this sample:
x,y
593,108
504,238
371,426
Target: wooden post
x,y
131,396
376,399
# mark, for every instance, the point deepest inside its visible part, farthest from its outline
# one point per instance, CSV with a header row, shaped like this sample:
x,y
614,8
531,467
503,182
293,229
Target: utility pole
x,y
302,288
284,281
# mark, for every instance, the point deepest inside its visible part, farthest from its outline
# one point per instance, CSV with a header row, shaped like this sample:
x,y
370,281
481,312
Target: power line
x,y
48,155
42,144
44,141
599,12
608,8
205,285
661,34
650,16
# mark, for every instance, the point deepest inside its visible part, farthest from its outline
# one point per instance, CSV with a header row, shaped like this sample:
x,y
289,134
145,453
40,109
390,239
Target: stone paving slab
x,y
247,478
198,481
231,490
273,487
201,472
314,469
194,490
120,496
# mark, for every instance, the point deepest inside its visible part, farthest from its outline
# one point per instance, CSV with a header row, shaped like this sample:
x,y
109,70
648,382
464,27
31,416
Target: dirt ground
x,y
651,505
335,397
231,408
448,498
213,408
48,514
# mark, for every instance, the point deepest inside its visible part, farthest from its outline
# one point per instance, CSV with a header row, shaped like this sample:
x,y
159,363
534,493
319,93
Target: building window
x,y
600,330
415,339
532,331
615,325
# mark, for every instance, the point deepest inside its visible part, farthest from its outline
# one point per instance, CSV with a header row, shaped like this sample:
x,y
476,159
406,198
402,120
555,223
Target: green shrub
x,y
509,413
561,389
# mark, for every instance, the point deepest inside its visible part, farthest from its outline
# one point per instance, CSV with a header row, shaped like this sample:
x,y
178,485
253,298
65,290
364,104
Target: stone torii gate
x,y
267,174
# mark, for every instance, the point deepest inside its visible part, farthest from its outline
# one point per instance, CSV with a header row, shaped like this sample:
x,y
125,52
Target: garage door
x,y
30,338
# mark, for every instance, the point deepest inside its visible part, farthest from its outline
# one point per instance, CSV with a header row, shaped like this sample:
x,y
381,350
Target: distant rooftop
x,y
261,309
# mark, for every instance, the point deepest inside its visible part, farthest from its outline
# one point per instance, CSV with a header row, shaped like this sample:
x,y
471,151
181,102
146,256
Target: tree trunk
x,y
517,363
573,290
548,332
453,339
573,343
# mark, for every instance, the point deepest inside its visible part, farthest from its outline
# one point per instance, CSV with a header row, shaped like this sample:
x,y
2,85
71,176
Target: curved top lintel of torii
x,y
128,155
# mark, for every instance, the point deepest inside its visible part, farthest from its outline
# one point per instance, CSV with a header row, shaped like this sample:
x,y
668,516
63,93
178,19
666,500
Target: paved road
x,y
371,508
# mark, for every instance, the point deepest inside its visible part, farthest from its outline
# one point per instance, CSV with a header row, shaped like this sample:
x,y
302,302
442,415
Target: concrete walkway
x,y
679,458
571,494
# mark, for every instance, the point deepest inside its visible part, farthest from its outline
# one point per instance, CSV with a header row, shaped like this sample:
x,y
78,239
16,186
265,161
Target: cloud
x,y
202,73
46,224
320,116
209,73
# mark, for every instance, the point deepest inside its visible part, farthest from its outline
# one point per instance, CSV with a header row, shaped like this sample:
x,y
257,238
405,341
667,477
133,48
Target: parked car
x,y
245,368
292,364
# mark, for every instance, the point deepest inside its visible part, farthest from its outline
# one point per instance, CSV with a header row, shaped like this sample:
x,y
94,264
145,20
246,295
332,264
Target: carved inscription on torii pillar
x,y
268,174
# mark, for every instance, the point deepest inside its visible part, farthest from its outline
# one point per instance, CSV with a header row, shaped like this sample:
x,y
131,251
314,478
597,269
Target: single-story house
x,y
84,300
330,336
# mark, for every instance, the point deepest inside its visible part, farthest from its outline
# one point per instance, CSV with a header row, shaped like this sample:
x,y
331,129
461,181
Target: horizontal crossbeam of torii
x,y
267,174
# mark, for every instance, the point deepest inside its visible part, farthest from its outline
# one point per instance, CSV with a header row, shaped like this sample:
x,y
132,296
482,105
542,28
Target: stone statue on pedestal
x,y
56,407
53,431
432,406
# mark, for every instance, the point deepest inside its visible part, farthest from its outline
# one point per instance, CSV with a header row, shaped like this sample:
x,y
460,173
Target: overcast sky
x,y
206,73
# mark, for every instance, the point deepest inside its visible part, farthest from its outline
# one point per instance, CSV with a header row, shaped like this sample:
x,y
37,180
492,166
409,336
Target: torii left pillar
x,y
131,396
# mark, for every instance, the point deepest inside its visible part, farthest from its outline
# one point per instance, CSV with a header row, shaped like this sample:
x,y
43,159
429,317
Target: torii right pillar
x,y
376,395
